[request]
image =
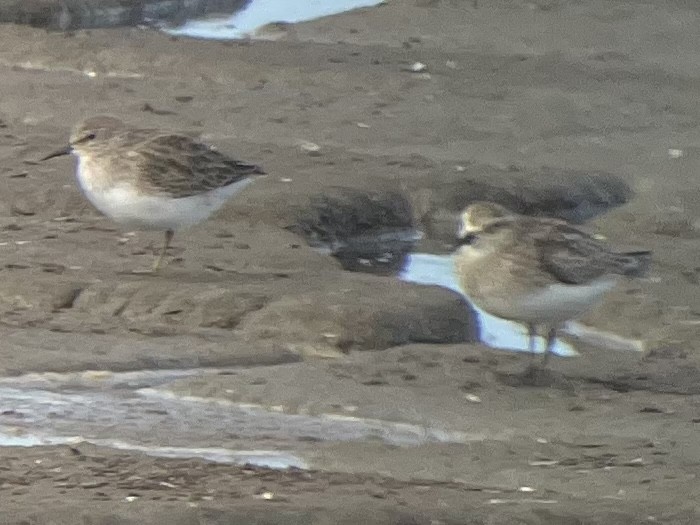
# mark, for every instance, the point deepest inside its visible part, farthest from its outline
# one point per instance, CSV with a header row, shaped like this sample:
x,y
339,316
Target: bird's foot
x,y
158,263
538,375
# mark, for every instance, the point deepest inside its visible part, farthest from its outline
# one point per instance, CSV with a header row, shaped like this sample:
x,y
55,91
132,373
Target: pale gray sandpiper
x,y
150,179
536,271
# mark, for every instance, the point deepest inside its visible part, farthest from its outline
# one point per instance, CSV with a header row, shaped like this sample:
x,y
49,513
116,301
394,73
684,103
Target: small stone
x,y
65,298
472,398
21,207
543,463
93,484
651,410
311,148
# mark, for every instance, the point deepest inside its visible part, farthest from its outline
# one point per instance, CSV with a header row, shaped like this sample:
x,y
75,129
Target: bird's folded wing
x,y
571,256
182,167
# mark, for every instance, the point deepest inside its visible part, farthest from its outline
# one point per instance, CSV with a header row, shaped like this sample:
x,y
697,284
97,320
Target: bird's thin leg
x,y
532,339
168,237
551,341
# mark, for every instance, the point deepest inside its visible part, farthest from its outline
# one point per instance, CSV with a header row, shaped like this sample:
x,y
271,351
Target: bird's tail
x,y
247,170
634,264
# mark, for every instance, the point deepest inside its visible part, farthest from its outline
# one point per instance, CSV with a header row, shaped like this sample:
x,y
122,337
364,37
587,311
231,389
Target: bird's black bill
x,y
58,153
468,239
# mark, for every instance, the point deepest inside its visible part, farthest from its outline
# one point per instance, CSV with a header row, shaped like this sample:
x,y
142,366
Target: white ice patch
x,y
258,13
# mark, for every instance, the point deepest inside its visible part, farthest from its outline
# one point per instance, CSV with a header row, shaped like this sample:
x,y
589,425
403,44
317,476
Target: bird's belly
x,y
555,303
146,212
124,204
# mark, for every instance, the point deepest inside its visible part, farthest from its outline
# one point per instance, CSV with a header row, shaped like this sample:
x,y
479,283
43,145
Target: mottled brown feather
x,y
167,162
567,254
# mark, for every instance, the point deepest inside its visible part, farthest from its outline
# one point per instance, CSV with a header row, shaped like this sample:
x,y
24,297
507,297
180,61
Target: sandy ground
x,y
516,95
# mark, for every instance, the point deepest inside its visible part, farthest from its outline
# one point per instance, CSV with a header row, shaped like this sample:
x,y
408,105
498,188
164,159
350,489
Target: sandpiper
x,y
150,179
536,271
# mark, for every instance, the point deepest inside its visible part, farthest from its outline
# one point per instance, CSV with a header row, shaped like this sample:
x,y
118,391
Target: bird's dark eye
x,y
469,238
86,138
